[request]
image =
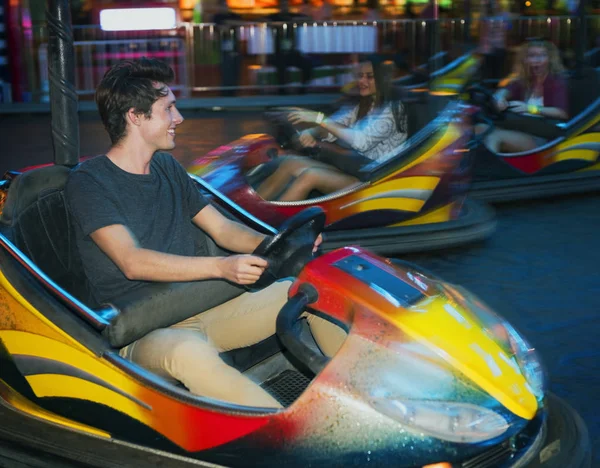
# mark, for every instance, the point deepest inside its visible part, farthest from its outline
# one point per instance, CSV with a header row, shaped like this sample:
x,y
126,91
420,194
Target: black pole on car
x,y
434,39
581,39
468,13
61,75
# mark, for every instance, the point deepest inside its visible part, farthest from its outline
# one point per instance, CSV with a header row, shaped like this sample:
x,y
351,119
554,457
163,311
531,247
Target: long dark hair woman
x,y
369,128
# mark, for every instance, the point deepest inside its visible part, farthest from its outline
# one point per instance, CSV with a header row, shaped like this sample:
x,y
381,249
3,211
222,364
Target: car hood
x,y
416,336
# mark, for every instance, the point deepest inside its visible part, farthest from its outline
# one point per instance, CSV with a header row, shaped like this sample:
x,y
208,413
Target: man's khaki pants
x,y
189,350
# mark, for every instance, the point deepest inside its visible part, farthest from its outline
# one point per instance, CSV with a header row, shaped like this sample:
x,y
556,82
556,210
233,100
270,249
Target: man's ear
x,y
133,117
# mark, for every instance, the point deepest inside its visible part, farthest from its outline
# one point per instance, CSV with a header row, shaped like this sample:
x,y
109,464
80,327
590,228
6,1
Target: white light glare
x,y
137,19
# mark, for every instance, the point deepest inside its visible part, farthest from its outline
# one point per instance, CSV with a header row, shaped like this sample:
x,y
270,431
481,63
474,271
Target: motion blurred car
x,y
415,200
568,162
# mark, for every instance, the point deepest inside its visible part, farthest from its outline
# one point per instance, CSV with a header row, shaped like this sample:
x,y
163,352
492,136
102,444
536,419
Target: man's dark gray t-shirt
x,y
157,208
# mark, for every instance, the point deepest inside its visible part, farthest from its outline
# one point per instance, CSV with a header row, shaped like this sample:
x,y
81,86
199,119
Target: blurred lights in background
x,y
138,19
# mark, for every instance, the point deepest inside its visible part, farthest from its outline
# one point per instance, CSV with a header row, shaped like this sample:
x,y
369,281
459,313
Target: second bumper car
x,y
415,200
568,161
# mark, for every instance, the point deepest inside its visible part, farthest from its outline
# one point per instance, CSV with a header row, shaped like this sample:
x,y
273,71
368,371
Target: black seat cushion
x,y
37,221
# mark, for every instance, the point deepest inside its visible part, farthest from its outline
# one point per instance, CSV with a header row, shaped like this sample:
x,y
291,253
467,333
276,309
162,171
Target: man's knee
x,y
174,350
329,336
277,292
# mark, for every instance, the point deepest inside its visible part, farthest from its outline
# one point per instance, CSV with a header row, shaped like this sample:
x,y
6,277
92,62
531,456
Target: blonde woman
x,y
538,88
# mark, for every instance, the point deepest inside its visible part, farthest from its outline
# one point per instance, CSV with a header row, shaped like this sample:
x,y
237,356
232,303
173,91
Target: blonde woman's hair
x,y
555,66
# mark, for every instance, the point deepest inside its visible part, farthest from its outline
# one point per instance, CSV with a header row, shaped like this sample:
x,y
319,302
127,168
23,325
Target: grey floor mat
x,y
287,386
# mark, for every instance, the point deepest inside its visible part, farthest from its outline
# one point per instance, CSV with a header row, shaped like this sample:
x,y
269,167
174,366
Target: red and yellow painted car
x,y
415,200
568,161
427,374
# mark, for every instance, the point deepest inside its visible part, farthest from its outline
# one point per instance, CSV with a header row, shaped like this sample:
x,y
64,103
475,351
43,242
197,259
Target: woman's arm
x,y
362,138
344,117
371,131
551,112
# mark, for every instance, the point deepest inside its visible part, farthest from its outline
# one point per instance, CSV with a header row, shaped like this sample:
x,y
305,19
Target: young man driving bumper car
x,y
136,215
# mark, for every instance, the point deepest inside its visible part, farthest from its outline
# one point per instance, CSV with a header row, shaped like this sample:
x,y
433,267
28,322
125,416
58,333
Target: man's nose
x,y
178,117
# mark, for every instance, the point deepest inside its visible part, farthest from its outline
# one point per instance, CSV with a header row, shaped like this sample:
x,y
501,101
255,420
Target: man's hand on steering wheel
x,y
292,247
317,244
242,269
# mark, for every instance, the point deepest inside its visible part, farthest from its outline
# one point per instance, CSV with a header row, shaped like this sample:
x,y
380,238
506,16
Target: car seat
x,y
583,90
36,219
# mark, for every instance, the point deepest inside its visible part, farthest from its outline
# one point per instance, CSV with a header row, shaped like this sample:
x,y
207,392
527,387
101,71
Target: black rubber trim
x,y
476,223
506,190
567,440
289,330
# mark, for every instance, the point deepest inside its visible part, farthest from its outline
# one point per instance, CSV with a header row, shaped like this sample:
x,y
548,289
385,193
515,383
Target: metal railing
x,y
254,58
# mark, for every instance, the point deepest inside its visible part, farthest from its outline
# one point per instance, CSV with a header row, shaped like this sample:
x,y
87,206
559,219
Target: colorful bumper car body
x,y
427,374
567,160
416,200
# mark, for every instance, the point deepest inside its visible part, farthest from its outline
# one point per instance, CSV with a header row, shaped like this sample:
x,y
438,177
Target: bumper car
x,y
415,200
427,376
449,80
567,163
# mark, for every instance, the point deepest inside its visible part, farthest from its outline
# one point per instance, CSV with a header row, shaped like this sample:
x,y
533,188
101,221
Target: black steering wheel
x,y
292,247
484,98
540,126
286,133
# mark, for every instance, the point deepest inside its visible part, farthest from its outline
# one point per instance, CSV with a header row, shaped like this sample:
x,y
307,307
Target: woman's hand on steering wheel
x,y
501,103
299,115
306,139
518,107
490,104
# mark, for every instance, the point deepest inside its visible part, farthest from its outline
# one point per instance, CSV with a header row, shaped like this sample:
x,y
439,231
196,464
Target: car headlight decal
x,y
451,421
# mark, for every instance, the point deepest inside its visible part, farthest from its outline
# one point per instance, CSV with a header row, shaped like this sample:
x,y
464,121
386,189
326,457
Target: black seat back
x,y
36,219
583,90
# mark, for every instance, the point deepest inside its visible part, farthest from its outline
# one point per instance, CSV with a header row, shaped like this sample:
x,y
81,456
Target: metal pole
x,y
61,74
468,21
581,36
434,38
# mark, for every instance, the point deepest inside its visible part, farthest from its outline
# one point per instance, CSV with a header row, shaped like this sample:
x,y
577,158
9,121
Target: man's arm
x,y
141,264
228,234
232,235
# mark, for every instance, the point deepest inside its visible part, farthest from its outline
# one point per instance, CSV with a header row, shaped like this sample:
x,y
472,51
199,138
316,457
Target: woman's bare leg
x,y
317,178
288,168
509,141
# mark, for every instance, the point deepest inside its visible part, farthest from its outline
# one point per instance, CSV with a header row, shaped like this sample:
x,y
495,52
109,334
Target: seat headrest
x,y
26,188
